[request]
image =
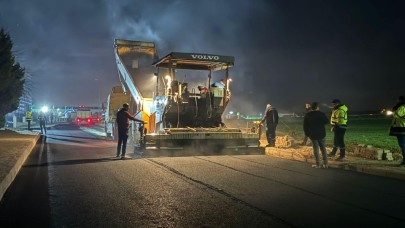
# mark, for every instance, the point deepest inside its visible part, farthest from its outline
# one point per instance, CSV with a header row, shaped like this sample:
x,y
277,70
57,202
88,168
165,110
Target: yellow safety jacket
x,y
339,116
28,115
398,122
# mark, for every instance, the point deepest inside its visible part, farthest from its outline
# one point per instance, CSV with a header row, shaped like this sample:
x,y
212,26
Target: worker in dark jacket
x,y
123,117
308,109
314,128
42,122
271,119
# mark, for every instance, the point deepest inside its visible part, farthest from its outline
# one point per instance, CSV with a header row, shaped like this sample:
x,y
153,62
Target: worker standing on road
x,y
398,125
308,109
271,119
314,128
42,122
28,118
338,122
123,117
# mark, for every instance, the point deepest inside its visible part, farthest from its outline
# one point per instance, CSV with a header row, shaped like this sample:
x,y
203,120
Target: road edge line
x,y
6,182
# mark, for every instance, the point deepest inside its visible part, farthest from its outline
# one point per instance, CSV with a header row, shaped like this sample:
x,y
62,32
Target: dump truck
x,y
115,100
83,116
178,98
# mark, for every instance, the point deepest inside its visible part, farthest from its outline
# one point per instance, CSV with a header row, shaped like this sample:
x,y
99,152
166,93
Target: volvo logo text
x,y
205,57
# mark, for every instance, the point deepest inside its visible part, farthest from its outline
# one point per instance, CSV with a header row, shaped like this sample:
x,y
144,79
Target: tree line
x,y
11,78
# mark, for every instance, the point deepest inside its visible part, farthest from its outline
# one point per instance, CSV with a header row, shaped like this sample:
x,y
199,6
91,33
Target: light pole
x,y
157,83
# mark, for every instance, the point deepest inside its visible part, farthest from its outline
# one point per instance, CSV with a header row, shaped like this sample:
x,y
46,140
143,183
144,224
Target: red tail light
x,y
79,120
88,120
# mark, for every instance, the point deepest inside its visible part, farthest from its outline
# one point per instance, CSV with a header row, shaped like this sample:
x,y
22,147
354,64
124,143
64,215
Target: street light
x,y
44,109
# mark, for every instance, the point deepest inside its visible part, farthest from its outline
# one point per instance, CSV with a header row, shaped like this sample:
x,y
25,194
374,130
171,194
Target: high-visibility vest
x,y
339,116
28,115
398,122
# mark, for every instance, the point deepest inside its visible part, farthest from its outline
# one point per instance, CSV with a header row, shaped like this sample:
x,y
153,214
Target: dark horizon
x,y
287,53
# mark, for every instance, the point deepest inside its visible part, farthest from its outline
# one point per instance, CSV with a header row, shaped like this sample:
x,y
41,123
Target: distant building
x,y
25,102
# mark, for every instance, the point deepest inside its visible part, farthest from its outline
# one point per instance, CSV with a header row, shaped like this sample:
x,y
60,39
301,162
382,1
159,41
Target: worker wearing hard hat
x,y
202,89
398,125
338,122
219,84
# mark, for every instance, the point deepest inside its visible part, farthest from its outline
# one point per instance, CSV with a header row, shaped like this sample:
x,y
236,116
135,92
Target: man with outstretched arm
x,y
123,117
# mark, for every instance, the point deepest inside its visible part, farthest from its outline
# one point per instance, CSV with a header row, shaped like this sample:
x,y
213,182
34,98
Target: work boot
x,y
340,159
325,164
125,157
333,152
342,152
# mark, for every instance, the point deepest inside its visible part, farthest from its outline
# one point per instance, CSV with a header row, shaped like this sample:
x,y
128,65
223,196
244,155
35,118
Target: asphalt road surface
x,y
73,179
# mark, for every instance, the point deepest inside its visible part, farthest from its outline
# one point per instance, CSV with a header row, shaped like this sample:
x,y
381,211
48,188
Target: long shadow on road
x,y
75,162
78,137
67,140
26,202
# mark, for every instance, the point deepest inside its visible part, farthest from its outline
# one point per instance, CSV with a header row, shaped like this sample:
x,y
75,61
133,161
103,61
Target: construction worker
x,y
308,109
338,122
123,117
219,84
314,128
271,119
28,118
202,89
42,122
398,125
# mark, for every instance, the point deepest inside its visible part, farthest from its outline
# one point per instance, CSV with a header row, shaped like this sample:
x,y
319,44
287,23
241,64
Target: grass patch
x,y
368,130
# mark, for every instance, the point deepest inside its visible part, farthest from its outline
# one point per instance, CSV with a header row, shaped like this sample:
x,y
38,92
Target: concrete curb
x,y
6,182
385,171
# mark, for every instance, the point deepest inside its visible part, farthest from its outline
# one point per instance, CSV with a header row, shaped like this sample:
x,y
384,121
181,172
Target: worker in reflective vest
x,y
28,118
398,125
338,122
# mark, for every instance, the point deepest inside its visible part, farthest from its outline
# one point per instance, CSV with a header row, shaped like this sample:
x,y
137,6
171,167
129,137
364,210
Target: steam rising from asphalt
x,y
129,27
326,105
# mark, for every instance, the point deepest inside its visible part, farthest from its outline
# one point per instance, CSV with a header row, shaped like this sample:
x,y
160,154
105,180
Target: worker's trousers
x,y
271,134
42,126
339,141
122,142
401,143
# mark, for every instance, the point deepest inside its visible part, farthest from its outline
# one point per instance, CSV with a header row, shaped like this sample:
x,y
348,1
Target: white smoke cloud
x,y
285,52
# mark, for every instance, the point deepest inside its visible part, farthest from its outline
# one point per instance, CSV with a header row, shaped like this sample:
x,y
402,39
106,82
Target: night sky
x,y
287,53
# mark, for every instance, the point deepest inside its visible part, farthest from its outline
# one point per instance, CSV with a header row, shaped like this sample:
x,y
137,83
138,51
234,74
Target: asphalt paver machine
x,y
185,106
